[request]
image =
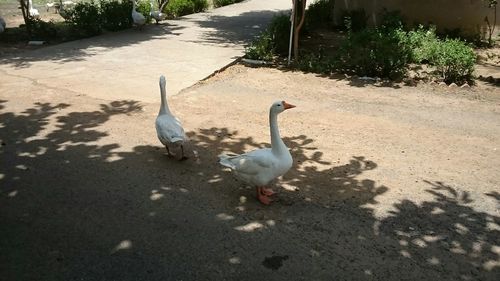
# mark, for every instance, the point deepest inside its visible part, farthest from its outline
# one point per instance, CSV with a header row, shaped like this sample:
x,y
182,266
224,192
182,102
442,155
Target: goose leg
x,y
183,157
168,151
268,191
263,198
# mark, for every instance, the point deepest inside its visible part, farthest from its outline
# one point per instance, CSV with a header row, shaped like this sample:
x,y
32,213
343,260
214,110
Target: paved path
x,y
126,65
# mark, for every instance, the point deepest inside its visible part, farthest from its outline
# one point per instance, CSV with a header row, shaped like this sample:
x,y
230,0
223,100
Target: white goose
x,y
158,15
2,25
49,5
32,11
168,127
138,18
259,167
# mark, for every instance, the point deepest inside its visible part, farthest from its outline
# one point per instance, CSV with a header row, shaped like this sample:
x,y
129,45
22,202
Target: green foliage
x,y
42,30
261,48
273,41
116,15
454,60
178,8
85,18
354,20
373,52
388,50
392,20
423,42
319,14
220,3
279,29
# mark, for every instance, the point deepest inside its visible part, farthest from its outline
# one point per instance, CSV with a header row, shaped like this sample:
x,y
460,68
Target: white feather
x,y
168,127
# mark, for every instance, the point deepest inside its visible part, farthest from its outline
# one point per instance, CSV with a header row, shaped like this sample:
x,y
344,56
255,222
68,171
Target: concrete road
x,y
126,65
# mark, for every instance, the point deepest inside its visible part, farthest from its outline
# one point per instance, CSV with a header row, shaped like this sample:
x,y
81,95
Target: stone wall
x,y
467,15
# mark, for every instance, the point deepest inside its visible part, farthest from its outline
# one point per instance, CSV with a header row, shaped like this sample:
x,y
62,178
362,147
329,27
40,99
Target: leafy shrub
x,y
273,41
116,15
85,18
454,60
372,52
280,32
220,3
261,48
423,43
42,30
354,20
179,8
319,14
200,5
391,20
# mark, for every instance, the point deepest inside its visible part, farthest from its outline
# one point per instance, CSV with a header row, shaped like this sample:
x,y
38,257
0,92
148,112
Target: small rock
x,y
453,85
465,86
314,253
432,83
442,84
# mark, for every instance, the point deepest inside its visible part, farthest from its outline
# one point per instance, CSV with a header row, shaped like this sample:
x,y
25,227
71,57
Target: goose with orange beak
x,y
259,167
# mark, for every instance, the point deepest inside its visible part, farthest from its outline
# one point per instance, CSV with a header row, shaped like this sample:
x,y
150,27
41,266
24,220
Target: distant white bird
x,y
168,127
259,167
50,5
2,25
138,18
68,3
158,15
32,11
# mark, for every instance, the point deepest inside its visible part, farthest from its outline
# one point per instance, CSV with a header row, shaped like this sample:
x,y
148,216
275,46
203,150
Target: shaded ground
x,y
388,183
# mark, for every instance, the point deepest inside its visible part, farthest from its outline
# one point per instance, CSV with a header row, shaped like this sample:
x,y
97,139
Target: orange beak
x,y
287,105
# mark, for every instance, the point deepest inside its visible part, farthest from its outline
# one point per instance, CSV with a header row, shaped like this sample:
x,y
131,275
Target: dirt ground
x,y
389,182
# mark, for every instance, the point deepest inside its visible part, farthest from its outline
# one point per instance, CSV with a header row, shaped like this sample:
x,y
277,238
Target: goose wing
x,y
169,129
251,163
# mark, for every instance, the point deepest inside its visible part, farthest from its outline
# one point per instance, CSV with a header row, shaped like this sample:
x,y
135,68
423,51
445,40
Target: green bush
x,y
86,19
319,14
179,8
391,20
116,15
273,41
354,20
423,43
454,60
261,48
280,33
220,3
42,30
372,52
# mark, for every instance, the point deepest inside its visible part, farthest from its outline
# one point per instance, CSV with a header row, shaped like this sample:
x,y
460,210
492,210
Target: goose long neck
x,y
277,144
164,105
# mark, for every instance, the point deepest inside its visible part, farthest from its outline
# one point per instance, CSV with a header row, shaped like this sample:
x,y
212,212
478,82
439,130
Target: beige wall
x,y
468,15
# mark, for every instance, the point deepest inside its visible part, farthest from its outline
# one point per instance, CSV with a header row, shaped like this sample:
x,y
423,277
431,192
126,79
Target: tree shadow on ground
x,y
222,30
74,206
79,50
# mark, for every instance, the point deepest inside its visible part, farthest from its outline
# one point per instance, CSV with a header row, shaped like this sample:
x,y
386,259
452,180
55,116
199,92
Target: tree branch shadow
x,y
74,206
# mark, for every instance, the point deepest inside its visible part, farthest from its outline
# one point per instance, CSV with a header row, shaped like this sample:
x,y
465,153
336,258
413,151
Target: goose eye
x,y
279,104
